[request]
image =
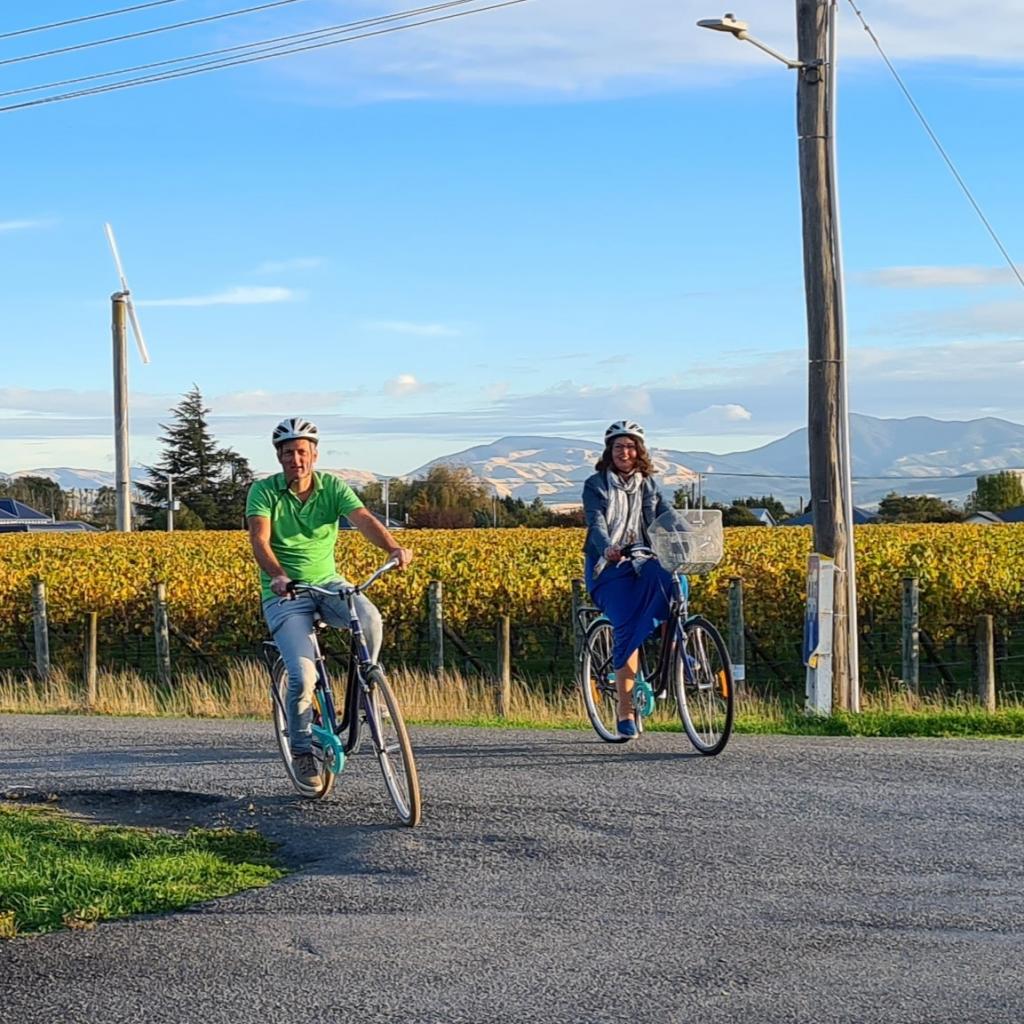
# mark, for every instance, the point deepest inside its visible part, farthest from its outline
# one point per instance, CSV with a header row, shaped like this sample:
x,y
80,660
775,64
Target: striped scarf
x,y
624,515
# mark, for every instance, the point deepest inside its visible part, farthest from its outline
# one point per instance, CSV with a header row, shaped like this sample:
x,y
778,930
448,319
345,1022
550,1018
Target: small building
x,y
1010,515
763,516
861,516
17,517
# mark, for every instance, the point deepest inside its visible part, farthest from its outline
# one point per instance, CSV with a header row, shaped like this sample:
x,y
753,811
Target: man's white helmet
x,y
295,428
624,428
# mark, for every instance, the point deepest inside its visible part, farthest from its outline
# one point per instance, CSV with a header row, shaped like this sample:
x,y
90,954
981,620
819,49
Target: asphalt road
x,y
554,879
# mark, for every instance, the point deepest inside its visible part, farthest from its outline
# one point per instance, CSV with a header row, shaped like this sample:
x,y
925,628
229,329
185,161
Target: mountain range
x,y
917,455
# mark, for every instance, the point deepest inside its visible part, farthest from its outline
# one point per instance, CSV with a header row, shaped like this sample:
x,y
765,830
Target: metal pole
x,y
41,630
386,494
911,635
737,638
170,503
824,339
122,479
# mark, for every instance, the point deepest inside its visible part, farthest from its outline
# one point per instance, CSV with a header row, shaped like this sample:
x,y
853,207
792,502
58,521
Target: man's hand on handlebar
x,y
402,556
282,586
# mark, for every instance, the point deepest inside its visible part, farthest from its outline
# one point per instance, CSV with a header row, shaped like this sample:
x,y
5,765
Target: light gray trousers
x,y
291,625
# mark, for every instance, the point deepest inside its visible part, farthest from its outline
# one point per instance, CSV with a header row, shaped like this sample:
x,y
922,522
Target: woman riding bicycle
x,y
620,501
293,526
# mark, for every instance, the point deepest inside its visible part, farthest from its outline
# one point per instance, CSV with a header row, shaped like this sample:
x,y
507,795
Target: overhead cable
x,y
85,17
938,145
147,32
218,65
253,47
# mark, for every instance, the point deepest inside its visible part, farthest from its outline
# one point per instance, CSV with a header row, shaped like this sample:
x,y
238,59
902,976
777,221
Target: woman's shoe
x,y
627,728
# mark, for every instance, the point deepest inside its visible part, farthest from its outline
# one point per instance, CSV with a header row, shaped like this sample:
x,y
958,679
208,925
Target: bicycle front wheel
x,y
597,680
702,678
392,746
279,714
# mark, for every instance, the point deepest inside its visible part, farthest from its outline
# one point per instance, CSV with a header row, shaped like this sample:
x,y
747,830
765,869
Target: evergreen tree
x,y
916,508
210,482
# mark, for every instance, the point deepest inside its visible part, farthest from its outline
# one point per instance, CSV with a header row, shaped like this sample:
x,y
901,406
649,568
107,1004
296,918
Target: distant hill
x,y
917,455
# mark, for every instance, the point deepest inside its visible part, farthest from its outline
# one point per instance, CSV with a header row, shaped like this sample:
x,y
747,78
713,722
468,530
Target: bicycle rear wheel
x,y
597,681
279,714
702,678
392,746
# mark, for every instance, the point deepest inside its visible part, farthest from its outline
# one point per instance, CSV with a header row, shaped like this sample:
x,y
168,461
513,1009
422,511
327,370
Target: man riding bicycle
x,y
293,527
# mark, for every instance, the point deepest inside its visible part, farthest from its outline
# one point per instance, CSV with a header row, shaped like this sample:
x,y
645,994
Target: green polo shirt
x,y
302,533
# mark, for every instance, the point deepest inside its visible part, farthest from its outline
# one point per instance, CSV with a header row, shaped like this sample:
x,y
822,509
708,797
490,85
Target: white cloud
x,y
238,296
583,48
971,321
937,277
25,225
289,266
407,327
406,384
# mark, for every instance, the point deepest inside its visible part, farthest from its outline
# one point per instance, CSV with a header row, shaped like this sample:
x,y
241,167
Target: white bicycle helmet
x,y
624,428
295,428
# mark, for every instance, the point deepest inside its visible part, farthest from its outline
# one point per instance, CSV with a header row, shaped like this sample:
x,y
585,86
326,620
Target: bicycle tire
x,y
279,715
597,681
704,687
391,744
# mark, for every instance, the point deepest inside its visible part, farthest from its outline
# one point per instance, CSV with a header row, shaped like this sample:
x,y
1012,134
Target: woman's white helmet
x,y
295,428
624,428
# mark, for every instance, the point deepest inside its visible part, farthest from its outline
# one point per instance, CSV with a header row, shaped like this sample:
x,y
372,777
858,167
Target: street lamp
x,y
828,432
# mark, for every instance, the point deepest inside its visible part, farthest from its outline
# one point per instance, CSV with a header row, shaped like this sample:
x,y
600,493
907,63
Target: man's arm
x,y
376,533
259,538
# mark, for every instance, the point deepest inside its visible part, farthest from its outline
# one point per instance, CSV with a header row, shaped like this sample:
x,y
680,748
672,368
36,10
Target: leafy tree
x,y
917,508
996,492
769,501
104,509
209,481
38,492
448,497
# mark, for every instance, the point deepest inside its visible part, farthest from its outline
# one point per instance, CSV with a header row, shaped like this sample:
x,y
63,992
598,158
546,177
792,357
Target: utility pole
x,y
385,494
170,503
122,479
827,439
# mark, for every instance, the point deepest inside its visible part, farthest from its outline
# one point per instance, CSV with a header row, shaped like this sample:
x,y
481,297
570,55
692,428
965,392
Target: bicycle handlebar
x,y
297,587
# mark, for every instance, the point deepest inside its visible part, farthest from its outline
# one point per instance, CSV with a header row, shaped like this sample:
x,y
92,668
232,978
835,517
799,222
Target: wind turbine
x,y
122,308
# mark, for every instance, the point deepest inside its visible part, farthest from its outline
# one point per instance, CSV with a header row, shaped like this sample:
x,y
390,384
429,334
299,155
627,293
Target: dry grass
x,y
241,692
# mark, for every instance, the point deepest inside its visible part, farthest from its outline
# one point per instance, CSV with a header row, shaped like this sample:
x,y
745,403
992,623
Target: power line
x,y
253,47
218,65
147,32
85,17
938,145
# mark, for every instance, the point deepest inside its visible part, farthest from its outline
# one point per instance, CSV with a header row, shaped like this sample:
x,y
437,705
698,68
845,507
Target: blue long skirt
x,y
634,602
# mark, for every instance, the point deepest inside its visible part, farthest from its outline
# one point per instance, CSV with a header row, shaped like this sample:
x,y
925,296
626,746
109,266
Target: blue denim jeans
x,y
291,625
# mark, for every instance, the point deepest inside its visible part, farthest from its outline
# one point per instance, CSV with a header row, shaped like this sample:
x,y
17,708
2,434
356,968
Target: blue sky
x,y
530,220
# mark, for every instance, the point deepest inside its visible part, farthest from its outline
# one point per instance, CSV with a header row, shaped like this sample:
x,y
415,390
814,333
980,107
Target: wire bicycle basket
x,y
688,541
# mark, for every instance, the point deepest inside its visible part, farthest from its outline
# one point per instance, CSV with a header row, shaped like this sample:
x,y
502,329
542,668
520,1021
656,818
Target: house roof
x,y
46,526
860,517
14,509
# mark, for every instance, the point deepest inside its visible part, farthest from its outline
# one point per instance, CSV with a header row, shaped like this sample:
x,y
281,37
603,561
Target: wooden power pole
x,y
826,401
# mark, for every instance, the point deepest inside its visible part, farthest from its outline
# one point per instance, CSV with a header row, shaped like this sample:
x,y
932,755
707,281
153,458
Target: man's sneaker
x,y
306,769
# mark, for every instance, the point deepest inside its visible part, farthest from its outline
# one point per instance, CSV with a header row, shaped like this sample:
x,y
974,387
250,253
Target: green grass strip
x,y
58,872
938,723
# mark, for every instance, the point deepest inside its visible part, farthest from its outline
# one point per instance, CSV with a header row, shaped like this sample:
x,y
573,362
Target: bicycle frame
x,y
359,663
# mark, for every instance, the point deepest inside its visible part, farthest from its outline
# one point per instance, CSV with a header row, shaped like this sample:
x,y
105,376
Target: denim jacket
x,y
595,507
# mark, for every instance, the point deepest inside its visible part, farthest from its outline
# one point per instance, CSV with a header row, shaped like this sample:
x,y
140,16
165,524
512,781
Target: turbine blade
x,y
117,258
137,330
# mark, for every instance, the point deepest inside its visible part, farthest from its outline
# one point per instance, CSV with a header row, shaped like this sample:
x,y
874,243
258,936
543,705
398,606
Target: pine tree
x,y
210,482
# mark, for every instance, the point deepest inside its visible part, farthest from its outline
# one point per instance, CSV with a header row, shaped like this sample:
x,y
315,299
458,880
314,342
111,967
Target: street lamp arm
x,y
729,23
